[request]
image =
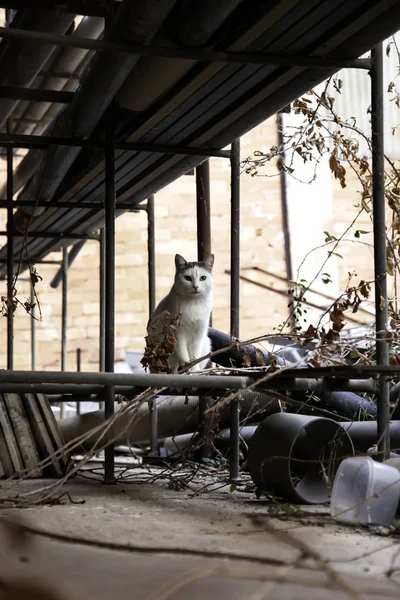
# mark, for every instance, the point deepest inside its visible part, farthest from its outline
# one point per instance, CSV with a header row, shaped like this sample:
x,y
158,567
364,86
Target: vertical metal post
x,y
151,269
151,255
285,217
64,309
235,298
33,330
380,265
109,352
64,317
203,212
78,368
10,259
102,316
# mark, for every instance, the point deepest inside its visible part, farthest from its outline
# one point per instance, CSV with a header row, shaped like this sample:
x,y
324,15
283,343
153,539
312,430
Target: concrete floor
x,y
150,542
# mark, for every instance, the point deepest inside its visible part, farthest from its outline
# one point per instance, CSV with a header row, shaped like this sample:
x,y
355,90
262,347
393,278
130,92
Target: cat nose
x,y
195,287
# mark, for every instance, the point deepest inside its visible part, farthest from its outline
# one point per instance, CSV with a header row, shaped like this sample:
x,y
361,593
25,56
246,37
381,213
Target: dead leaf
x,y
382,303
246,362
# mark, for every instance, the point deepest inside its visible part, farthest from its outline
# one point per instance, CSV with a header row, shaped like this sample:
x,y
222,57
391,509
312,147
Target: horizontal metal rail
x,y
285,294
53,235
217,381
186,53
90,392
41,142
140,380
72,204
90,8
35,95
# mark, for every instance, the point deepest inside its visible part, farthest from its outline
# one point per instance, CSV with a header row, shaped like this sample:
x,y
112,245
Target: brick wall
x,y
175,213
175,217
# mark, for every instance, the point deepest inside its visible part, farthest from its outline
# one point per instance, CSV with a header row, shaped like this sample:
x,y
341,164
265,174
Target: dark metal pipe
x,y
153,427
131,379
109,356
285,215
72,205
365,434
10,260
151,268
380,264
11,92
203,213
102,308
73,253
187,54
64,309
50,235
33,328
64,316
37,262
78,369
203,210
151,255
42,142
341,406
235,299
285,294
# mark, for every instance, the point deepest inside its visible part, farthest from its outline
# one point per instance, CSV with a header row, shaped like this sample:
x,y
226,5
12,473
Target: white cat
x,y
191,297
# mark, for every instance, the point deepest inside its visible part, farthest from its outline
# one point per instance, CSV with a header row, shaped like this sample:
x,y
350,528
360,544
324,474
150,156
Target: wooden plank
x,y
23,433
7,469
42,438
10,439
52,426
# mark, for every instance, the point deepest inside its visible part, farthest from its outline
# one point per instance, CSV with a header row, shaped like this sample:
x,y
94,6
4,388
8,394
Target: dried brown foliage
x,y
160,342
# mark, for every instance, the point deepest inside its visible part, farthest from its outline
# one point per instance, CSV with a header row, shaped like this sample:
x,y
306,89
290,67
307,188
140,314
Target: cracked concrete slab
x,y
145,540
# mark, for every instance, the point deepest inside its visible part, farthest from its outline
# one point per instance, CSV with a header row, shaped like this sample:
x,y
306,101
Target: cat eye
x,y
188,278
203,278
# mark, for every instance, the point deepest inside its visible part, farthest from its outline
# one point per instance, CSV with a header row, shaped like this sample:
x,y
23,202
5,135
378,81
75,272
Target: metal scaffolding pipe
x,y
145,380
43,141
203,209
203,214
380,264
64,308
109,355
151,254
73,253
33,328
10,260
151,270
102,307
131,390
185,53
50,235
235,299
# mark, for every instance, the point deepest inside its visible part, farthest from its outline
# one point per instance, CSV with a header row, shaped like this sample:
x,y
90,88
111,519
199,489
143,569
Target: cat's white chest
x,y
195,314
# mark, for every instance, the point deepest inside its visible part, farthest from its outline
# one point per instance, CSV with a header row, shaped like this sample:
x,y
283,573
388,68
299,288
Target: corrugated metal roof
x,y
212,104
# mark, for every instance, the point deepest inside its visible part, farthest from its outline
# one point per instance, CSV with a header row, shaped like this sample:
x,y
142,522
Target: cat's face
x,y
193,279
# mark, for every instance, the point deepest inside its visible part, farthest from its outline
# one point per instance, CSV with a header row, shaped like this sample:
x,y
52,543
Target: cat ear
x,y
180,262
209,261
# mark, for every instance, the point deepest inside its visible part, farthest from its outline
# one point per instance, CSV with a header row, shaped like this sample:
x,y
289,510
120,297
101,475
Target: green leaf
x,y
232,487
